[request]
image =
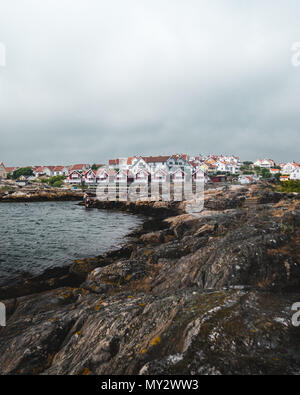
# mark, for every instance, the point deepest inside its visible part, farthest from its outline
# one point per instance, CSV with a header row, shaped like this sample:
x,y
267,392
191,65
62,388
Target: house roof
x,y
10,169
113,161
156,159
179,156
80,166
88,171
110,172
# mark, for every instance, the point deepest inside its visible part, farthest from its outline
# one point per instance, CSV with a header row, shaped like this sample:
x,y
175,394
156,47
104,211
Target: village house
x,y
124,176
60,171
288,168
82,167
156,162
200,176
179,162
264,163
284,178
74,177
295,174
89,177
274,171
118,164
3,172
138,164
10,170
142,176
105,176
178,176
47,171
160,175
246,179
222,166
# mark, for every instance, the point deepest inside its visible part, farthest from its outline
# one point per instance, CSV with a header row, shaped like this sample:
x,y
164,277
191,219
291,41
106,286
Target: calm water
x,y
37,236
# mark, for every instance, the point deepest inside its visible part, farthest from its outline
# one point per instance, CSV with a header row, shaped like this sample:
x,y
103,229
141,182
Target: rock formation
x,y
206,294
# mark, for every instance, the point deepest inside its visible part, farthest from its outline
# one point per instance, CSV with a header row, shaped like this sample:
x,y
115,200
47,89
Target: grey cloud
x,y
90,80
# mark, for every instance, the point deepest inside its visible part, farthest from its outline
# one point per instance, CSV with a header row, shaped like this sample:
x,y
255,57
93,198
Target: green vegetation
x,y
263,172
23,171
289,186
4,188
246,168
56,181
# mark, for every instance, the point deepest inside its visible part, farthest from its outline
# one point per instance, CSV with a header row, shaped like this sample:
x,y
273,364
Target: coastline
x,y
181,286
41,195
73,274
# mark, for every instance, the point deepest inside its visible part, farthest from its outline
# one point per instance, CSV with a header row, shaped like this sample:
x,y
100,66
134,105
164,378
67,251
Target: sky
x,y
89,80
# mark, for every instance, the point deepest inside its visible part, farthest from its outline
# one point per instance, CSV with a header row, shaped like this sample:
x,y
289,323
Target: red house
x,y
74,177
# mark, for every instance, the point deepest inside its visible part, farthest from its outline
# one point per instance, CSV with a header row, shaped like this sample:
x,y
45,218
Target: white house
x,y
246,179
222,166
139,164
89,177
105,176
118,164
156,162
3,173
178,176
60,171
74,177
200,176
295,174
289,167
265,163
124,176
44,171
142,176
160,175
275,171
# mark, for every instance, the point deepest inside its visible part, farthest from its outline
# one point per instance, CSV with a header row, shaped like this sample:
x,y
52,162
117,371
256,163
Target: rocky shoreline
x,y
206,294
26,195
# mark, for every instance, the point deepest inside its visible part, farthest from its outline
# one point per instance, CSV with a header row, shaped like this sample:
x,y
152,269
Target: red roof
x,y
113,162
156,159
10,169
80,166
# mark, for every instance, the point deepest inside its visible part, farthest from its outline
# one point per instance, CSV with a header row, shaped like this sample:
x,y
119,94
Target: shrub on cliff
x,y
56,181
23,171
290,186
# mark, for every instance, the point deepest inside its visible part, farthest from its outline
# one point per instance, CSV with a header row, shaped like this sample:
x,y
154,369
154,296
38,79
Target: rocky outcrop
x,y
39,194
189,294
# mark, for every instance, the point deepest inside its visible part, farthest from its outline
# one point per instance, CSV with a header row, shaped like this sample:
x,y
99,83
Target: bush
x,y
57,184
24,171
56,181
290,186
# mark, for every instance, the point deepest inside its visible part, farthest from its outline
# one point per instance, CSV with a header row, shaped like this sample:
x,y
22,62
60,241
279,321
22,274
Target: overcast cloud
x,y
89,80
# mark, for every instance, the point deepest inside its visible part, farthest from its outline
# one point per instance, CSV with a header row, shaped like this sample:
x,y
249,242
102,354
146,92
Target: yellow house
x,y
3,173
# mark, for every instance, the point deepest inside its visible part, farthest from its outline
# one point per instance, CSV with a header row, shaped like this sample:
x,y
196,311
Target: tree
x,y
277,176
265,173
94,167
56,181
23,171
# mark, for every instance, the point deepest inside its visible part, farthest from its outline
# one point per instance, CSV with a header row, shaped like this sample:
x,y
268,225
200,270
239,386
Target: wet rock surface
x,y
205,294
38,193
